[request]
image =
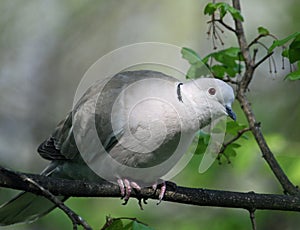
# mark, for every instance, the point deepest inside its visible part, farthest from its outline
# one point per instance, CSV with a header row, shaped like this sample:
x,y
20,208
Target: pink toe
x,y
127,189
135,186
121,186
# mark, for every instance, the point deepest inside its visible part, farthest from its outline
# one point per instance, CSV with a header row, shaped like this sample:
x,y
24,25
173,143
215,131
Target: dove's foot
x,y
162,192
163,188
126,187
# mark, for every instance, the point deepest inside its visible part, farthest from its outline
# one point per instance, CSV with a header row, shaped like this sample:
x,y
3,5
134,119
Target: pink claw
x,y
122,187
162,192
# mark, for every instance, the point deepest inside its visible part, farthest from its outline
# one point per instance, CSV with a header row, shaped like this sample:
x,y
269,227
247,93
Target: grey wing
x,y
61,144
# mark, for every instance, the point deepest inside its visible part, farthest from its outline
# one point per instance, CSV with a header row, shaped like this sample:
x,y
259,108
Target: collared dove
x,y
142,119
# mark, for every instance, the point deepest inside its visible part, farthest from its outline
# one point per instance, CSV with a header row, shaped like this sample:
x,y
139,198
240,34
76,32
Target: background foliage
x,y
46,47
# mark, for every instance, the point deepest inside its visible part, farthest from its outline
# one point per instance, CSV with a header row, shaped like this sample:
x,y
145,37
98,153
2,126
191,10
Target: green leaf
x,y
232,127
218,71
296,43
223,7
203,140
229,58
135,225
293,76
140,226
233,52
235,145
206,58
115,224
236,14
294,50
233,70
196,70
210,8
285,53
263,31
282,42
230,152
294,55
226,60
190,55
198,67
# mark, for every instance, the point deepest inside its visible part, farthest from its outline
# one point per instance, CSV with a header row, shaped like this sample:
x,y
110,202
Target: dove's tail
x,y
25,207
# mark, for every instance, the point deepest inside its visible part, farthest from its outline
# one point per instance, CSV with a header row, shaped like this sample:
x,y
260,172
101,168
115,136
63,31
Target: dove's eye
x,y
212,91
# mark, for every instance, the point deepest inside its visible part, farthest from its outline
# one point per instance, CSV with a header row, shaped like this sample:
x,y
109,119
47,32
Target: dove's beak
x,y
230,113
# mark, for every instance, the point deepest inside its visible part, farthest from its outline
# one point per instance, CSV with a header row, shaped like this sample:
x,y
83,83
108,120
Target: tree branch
x,y
267,154
192,196
241,96
240,34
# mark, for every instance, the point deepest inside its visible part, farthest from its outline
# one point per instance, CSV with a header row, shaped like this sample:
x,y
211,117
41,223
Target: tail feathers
x,y
25,207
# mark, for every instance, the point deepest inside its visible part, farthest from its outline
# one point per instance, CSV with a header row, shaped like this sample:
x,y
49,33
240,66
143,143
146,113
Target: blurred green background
x,y
46,47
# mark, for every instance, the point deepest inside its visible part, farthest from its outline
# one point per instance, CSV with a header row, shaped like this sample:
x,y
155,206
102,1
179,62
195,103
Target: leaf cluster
x,y
227,62
223,8
229,148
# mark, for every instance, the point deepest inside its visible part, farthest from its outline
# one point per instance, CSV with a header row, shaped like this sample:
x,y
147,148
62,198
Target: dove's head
x,y
211,98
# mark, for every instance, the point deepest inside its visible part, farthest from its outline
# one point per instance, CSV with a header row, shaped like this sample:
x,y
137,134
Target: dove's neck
x,y
197,106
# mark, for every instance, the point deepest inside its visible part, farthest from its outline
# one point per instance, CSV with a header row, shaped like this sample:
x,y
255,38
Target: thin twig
x,y
255,40
75,218
239,134
262,60
254,54
229,79
213,22
252,218
268,55
225,25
